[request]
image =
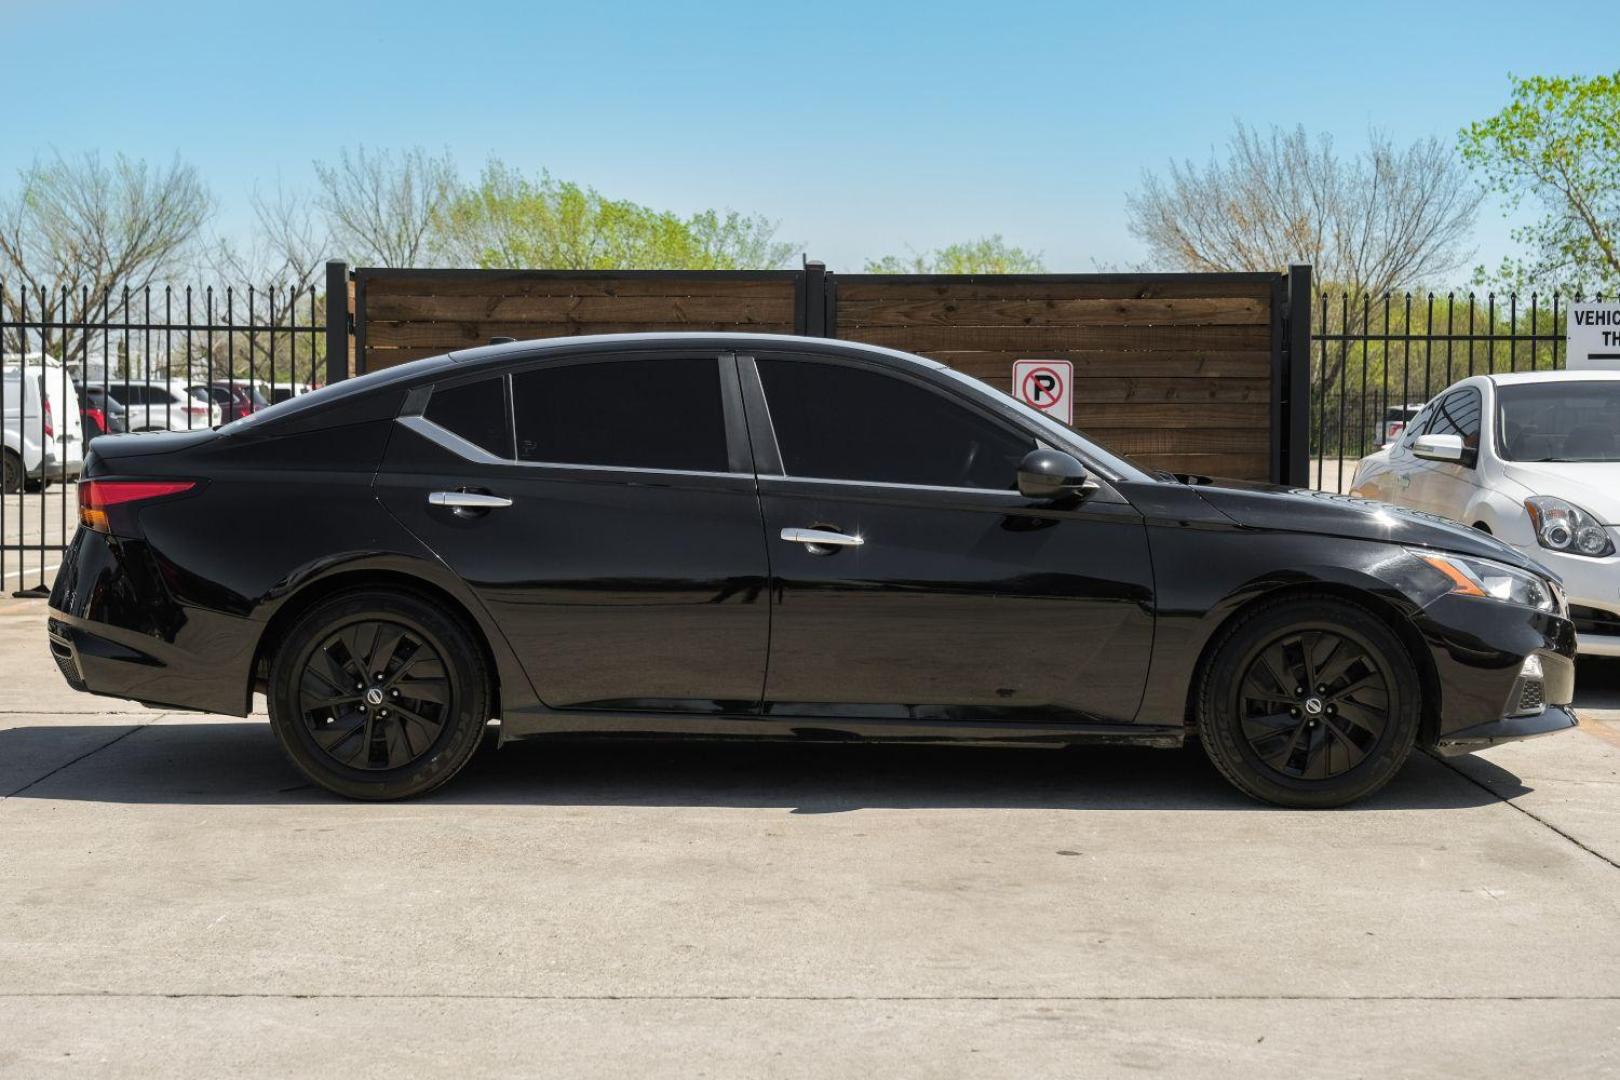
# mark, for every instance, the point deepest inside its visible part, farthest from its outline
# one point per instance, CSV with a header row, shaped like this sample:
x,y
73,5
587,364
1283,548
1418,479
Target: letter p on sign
x,y
1048,385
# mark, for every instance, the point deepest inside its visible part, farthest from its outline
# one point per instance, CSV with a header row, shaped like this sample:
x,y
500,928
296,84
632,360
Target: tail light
x,y
98,497
98,418
50,421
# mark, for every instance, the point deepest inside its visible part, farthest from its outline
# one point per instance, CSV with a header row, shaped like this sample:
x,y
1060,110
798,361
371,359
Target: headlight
x,y
1565,527
1493,580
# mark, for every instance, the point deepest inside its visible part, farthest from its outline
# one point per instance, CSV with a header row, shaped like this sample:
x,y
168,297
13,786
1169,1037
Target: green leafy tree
x,y
1557,144
510,220
986,255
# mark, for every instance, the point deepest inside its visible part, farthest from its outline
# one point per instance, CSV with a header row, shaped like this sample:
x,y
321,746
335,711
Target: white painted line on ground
x,y
32,570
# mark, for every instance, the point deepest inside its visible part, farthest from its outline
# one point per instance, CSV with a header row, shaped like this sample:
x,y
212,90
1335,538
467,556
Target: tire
x,y
1271,741
433,684
11,472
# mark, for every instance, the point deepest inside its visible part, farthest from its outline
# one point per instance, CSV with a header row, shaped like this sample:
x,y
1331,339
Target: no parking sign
x,y
1048,385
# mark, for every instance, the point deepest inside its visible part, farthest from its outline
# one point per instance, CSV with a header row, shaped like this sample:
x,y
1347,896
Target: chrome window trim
x,y
472,452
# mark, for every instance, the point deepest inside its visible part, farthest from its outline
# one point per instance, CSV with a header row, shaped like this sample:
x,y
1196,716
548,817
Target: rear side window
x,y
476,412
845,423
634,414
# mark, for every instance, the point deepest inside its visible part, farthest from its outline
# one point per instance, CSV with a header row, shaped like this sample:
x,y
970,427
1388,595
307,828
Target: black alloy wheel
x,y
375,695
1308,701
379,694
11,473
1314,703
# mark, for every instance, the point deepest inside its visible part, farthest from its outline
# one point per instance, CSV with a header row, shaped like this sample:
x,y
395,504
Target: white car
x,y
163,405
1534,459
43,429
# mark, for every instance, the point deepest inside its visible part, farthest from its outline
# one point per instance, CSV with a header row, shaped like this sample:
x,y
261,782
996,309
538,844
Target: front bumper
x,y
1553,719
1593,588
1489,689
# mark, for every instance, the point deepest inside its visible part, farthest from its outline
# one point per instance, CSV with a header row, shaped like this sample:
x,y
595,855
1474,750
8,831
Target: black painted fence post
x,y
338,328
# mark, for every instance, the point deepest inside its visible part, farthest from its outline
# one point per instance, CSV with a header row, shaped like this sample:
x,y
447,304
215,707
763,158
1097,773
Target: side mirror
x,y
1051,474
1439,448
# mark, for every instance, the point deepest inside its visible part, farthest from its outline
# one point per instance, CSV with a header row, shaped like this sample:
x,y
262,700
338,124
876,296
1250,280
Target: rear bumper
x,y
115,629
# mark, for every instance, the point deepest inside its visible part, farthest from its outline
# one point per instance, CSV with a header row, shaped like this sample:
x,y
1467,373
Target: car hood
x,y
1270,506
1594,486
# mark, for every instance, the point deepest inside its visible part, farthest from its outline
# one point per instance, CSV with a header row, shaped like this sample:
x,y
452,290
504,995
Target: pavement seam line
x,y
251,996
1539,820
69,764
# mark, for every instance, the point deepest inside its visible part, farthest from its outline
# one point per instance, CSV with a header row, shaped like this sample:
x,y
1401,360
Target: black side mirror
x,y
1051,474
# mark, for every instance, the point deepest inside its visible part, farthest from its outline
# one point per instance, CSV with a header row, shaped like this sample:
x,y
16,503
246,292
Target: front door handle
x,y
467,502
821,541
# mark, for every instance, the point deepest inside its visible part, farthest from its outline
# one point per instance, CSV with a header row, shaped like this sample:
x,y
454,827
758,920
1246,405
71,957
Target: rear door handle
x,y
821,538
467,501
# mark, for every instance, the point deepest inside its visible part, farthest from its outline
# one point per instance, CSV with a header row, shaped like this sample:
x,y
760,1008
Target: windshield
x,y
1562,421
1121,467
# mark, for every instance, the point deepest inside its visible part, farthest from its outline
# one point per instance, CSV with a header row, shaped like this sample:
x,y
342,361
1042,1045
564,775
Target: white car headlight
x,y
1562,526
1493,580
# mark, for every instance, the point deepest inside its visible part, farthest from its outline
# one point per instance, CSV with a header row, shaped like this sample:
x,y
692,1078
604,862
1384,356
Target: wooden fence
x,y
1184,372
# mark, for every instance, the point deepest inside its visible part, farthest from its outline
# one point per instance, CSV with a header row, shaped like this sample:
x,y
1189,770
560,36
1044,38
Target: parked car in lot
x,y
767,537
1396,417
281,391
235,399
101,411
43,438
164,405
1532,458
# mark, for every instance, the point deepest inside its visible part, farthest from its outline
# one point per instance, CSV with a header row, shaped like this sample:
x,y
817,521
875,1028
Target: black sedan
x,y
720,535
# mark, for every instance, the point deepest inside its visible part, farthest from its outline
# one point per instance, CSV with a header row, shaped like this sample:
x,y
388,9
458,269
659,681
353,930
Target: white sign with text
x,y
1593,337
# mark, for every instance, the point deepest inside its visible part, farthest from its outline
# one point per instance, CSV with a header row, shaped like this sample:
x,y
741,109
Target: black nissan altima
x,y
723,535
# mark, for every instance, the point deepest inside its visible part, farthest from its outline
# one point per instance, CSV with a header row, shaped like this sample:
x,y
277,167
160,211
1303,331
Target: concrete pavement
x,y
176,901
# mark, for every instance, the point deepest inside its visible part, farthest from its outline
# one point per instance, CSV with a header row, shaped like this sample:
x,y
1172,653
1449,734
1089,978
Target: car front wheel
x,y
379,695
1309,702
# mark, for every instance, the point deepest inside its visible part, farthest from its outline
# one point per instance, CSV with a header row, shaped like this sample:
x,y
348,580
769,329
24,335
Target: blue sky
x,y
864,128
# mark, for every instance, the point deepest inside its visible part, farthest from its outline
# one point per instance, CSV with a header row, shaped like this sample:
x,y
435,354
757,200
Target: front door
x,y
607,518
929,588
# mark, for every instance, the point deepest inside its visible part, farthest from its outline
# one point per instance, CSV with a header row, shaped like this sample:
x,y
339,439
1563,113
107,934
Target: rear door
x,y
603,508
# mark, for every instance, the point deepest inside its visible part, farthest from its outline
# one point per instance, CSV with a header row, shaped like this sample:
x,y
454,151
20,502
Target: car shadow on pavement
x,y
239,762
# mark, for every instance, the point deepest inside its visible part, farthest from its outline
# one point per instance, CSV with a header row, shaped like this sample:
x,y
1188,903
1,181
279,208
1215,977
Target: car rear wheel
x,y
11,472
379,695
1309,702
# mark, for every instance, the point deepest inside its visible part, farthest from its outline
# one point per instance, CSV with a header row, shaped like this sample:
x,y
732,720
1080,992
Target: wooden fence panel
x,y
1176,372
409,314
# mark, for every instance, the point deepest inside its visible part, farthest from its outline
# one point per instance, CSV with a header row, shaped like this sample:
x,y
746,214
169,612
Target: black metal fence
x,y
79,365
1376,360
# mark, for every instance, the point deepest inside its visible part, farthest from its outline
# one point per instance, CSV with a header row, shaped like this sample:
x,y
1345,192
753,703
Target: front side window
x,y
1458,414
838,422
1578,420
475,411
662,413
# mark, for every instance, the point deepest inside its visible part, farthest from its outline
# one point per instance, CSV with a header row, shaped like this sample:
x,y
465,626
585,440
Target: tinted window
x,y
1457,414
641,414
847,423
1418,426
1578,420
476,412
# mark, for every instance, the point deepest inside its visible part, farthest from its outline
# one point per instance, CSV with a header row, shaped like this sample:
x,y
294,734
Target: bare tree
x,y
77,230
382,208
1387,219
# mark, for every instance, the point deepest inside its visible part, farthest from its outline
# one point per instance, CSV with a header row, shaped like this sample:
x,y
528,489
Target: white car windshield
x,y
1563,421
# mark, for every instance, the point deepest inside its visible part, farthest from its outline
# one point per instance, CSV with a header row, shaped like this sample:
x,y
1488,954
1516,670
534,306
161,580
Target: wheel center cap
x,y
374,696
1313,706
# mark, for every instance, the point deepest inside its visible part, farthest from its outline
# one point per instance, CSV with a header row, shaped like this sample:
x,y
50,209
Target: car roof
x,y
515,350
1514,378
